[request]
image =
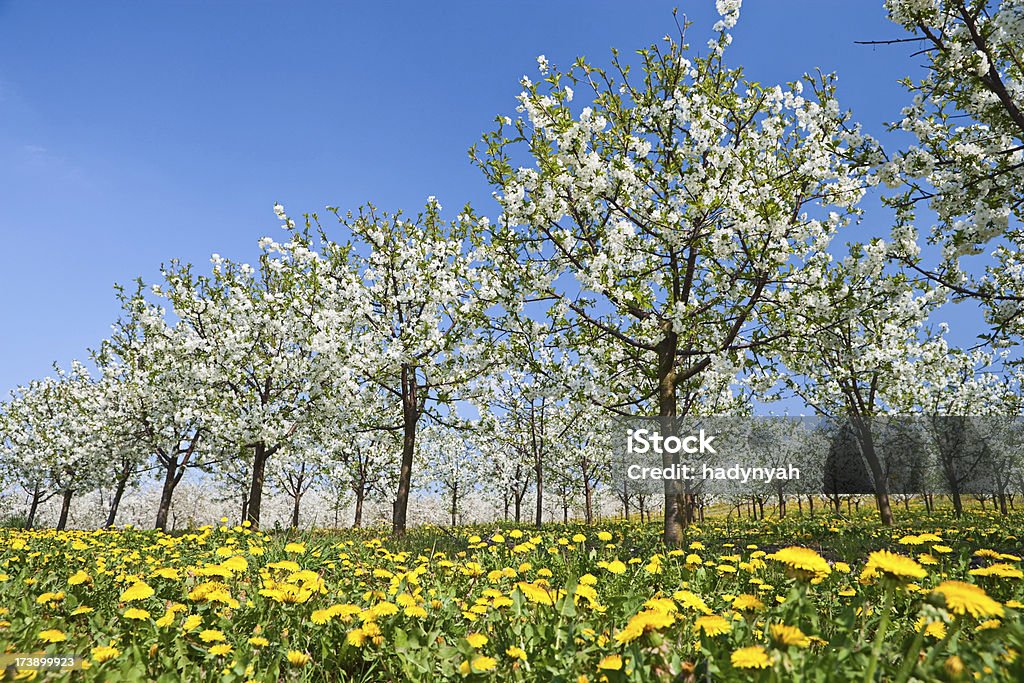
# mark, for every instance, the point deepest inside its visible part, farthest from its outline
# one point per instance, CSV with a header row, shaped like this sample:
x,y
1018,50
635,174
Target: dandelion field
x,y
805,598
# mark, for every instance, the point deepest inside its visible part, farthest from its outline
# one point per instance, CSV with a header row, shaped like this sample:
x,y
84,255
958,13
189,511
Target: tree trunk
x,y
455,504
958,503
410,415
167,492
867,446
65,508
667,410
538,471
588,500
295,509
34,507
259,470
122,483
358,519
245,506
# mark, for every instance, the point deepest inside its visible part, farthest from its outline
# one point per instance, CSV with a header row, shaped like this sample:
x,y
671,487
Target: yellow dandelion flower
x,y
999,569
139,590
356,637
966,598
514,652
785,634
644,622
52,635
805,562
932,629
891,565
211,636
616,567
79,578
747,602
610,663
753,657
477,640
136,614
50,598
692,601
104,653
483,663
712,625
298,659
220,649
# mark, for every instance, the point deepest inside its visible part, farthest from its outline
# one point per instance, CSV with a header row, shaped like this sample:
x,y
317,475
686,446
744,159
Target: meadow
x,y
806,598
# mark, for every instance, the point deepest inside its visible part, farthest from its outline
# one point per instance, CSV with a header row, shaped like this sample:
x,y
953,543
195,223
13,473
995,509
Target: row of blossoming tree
x,y
674,240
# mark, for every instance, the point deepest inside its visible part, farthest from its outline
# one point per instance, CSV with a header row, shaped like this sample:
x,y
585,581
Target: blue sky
x,y
133,133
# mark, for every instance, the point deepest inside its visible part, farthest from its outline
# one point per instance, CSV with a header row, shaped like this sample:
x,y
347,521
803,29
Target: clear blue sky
x,y
132,133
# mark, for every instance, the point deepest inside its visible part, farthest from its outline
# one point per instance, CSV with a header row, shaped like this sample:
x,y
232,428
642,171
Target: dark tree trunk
x,y
455,504
538,515
297,501
259,469
37,496
122,483
410,415
166,494
358,519
867,446
958,503
675,522
65,509
588,500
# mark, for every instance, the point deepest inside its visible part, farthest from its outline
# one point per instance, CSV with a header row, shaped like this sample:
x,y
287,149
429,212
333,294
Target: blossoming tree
x,y
661,218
